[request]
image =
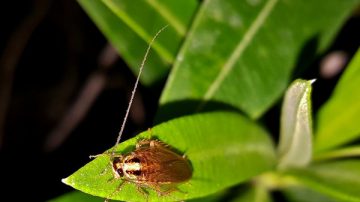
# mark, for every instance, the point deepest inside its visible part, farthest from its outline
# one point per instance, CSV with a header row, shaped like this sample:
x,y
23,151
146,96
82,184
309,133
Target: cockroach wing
x,y
173,167
166,166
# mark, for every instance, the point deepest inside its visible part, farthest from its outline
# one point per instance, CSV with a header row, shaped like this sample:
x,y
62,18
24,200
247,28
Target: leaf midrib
x,y
173,20
165,54
240,47
230,62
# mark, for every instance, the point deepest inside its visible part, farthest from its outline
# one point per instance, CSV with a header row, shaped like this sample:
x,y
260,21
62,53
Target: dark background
x,y
54,52
62,51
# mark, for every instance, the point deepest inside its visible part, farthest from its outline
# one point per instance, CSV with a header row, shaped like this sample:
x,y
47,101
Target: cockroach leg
x,y
140,188
116,190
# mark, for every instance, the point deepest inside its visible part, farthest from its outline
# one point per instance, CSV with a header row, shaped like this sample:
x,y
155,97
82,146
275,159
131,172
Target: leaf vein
x,y
174,21
249,35
163,52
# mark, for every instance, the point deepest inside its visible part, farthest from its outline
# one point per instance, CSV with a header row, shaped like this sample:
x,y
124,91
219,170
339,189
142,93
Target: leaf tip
x,y
66,181
312,81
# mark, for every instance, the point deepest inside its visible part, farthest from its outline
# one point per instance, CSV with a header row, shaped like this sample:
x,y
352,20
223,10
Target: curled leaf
x,y
295,147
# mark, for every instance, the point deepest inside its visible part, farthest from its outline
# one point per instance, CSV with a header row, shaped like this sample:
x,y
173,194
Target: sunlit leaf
x,y
215,143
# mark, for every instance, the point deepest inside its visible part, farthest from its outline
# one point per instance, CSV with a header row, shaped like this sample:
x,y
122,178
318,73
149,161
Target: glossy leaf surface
x,y
241,53
215,143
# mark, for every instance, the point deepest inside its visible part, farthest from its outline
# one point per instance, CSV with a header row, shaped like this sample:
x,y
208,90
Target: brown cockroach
x,y
152,164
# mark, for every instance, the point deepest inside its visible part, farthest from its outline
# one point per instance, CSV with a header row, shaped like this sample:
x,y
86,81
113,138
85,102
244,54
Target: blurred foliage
x,y
239,56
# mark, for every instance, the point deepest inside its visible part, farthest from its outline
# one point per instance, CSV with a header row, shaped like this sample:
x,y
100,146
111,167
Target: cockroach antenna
x,y
135,87
148,164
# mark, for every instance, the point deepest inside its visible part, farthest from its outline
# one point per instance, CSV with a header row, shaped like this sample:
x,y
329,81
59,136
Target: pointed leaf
x,y
242,53
131,26
224,149
295,147
338,120
338,179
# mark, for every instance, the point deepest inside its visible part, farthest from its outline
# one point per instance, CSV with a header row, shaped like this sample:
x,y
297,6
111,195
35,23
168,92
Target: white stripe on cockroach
x,y
152,164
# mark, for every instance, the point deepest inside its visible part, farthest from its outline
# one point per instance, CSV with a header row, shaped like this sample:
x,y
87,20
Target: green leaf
x,y
131,26
210,198
76,196
304,194
338,179
224,149
295,147
349,151
243,193
242,53
338,120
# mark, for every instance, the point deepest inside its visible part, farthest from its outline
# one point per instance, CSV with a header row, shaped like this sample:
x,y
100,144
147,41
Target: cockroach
x,y
152,164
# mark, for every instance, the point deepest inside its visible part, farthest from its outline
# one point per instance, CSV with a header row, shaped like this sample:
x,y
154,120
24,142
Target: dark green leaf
x,y
295,147
242,53
131,26
224,149
338,120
